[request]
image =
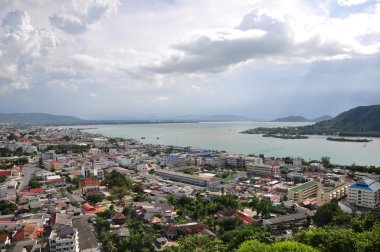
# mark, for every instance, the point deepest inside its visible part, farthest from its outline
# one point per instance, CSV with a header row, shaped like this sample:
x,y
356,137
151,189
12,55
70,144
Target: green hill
x,y
301,119
359,121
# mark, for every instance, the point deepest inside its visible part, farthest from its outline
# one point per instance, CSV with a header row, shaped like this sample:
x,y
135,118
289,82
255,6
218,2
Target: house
x,y
193,228
89,185
16,171
296,219
29,231
87,209
60,220
149,212
32,191
122,232
118,218
5,173
55,181
7,217
4,241
245,218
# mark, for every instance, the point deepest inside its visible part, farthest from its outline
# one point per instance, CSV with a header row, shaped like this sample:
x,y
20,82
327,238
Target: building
x,y
252,160
364,193
188,179
311,189
89,185
64,239
337,192
272,170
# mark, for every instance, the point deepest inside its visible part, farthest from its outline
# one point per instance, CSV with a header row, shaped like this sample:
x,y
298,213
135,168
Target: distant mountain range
x,y
302,119
38,118
49,119
359,121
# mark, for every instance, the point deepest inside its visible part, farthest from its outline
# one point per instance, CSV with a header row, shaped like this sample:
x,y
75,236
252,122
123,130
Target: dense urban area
x,y
68,190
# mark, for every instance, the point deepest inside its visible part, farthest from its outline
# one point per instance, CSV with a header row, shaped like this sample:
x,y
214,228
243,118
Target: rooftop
x,y
366,185
303,186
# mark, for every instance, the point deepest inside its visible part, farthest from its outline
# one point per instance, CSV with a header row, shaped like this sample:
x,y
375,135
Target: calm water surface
x,y
226,136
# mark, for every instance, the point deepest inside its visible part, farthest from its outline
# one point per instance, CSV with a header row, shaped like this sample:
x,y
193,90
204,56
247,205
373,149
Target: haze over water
x,y
226,136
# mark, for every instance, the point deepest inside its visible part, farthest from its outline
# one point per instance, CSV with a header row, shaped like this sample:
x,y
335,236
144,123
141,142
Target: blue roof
x,y
366,185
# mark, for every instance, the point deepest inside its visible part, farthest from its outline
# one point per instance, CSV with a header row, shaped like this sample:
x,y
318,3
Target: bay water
x,y
226,136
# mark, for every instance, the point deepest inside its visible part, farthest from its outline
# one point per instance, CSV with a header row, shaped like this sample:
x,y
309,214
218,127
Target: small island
x,y
342,139
286,136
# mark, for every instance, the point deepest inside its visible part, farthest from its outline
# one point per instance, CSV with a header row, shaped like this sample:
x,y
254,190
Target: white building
x,y
64,239
364,193
264,170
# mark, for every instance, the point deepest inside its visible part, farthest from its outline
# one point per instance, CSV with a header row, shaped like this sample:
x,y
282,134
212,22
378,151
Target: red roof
x,y
3,238
56,180
20,234
24,140
87,207
245,218
88,182
33,190
5,173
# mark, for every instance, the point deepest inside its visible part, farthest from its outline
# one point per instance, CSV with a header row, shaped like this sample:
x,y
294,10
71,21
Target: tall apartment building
x,y
263,170
364,193
64,239
311,189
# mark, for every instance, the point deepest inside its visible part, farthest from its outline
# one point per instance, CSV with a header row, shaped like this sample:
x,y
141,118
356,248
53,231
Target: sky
x,y
136,59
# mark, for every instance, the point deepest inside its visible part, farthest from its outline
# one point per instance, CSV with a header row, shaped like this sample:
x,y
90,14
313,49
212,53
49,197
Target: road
x,y
28,171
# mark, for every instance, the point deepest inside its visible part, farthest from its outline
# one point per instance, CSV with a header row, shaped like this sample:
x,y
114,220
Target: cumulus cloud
x,y
21,47
78,16
265,37
93,95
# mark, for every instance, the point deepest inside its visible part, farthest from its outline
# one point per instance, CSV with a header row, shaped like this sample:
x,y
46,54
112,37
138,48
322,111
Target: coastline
x,y
226,137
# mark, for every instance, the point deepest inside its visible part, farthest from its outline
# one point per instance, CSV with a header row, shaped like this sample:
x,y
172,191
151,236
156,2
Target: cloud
x,y
22,47
195,87
262,36
93,95
351,2
161,99
78,16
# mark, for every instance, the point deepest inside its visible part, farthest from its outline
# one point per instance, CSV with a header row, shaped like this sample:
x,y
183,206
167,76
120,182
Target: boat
x,y
157,138
142,137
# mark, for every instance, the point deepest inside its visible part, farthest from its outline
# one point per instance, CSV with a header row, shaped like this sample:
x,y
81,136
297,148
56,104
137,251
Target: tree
x,y
284,246
329,239
94,198
41,162
7,207
254,246
326,162
264,208
34,183
230,223
326,213
19,151
200,243
237,236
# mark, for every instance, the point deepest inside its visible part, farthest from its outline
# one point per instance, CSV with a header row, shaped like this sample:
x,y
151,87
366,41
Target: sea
x,y
226,136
